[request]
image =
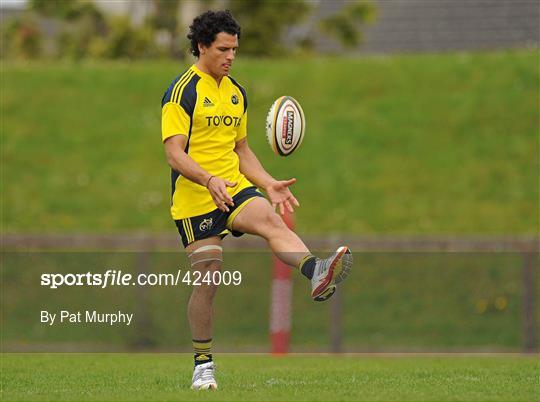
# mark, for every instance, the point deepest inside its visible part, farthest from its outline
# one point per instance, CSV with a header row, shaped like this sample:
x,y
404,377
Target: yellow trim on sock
x,y
202,358
303,260
202,345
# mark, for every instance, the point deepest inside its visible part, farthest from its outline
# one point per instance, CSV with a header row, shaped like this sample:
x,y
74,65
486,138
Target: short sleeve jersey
x,y
213,118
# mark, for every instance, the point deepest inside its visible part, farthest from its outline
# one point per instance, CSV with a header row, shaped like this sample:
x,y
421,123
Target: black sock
x,y
203,351
202,358
307,266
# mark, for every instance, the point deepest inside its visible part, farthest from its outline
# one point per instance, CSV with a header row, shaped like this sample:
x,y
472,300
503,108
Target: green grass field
x,y
166,377
418,144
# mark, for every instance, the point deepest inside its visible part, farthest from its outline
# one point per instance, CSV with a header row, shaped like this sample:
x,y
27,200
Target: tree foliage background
x,y
264,22
82,30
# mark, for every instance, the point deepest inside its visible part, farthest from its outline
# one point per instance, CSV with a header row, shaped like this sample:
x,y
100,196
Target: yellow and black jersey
x,y
213,118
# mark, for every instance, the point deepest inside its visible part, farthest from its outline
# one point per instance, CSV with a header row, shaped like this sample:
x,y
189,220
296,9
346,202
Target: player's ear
x,y
202,48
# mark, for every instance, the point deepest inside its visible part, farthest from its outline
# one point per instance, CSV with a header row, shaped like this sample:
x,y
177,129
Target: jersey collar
x,y
205,75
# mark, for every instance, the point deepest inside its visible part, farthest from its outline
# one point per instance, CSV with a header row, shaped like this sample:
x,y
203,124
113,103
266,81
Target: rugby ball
x,y
285,125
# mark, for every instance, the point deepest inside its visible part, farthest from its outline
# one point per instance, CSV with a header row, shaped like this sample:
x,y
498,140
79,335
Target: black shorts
x,y
216,222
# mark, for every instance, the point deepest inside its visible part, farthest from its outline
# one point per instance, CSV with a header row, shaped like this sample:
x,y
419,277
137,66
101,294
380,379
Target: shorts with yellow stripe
x,y
216,222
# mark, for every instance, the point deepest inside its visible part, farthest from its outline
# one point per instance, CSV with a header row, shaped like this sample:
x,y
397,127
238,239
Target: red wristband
x,y
208,182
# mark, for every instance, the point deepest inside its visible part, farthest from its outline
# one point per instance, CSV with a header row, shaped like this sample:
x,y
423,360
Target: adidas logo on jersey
x,y
207,102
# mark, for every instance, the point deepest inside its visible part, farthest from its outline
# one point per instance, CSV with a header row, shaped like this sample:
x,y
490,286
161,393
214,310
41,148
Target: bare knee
x,y
271,225
205,261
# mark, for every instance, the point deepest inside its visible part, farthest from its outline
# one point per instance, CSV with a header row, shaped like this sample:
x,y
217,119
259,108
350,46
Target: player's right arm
x,y
182,163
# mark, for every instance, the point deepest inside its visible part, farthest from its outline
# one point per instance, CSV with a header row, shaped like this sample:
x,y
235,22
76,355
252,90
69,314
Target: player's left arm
x,y
277,190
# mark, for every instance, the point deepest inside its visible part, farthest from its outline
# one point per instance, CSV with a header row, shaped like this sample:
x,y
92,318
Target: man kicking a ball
x,y
215,177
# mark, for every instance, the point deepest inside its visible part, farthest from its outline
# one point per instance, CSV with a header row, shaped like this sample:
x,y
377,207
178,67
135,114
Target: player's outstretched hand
x,y
280,196
218,190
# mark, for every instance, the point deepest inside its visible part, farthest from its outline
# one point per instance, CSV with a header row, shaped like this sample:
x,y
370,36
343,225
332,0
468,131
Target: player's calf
x,y
205,259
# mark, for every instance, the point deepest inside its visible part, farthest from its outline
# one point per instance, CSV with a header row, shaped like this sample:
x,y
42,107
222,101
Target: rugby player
x,y
216,179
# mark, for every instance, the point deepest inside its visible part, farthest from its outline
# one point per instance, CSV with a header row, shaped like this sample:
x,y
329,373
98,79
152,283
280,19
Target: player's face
x,y
219,56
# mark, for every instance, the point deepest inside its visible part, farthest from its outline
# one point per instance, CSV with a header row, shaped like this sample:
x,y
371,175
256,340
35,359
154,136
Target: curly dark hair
x,y
206,26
